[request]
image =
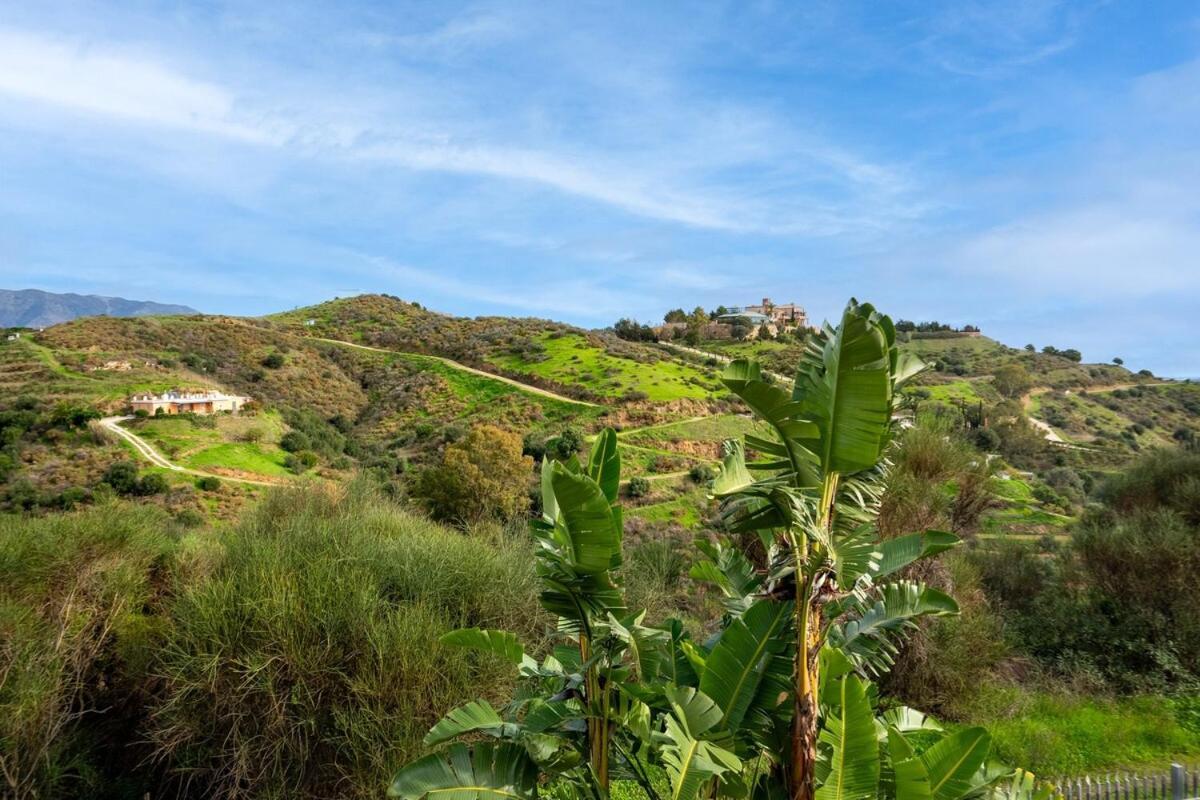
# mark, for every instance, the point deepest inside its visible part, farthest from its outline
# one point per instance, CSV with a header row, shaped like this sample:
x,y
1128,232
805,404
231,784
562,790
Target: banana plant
x,y
579,718
812,494
778,703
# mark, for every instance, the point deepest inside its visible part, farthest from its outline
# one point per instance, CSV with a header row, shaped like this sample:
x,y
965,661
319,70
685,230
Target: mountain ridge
x,y
34,308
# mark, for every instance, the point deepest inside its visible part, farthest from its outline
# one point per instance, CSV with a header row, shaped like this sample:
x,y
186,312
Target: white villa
x,y
181,401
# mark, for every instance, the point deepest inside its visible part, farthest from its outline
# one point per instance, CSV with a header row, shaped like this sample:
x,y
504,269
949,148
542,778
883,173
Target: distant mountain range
x,y
32,308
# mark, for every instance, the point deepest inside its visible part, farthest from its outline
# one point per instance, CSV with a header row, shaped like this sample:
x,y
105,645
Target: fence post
x,y
1178,779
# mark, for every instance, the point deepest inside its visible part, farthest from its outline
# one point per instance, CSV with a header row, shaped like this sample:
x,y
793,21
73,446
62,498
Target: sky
x,y
1031,167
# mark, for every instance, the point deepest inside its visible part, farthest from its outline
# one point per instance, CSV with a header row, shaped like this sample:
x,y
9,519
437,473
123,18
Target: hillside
x,y
32,308
374,382
590,365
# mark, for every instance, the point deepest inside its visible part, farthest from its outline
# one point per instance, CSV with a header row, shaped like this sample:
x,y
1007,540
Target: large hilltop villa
x,y
184,401
785,315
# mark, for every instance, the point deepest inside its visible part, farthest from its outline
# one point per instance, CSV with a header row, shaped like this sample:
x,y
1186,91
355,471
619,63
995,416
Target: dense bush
x,y
484,476
638,486
1122,600
122,476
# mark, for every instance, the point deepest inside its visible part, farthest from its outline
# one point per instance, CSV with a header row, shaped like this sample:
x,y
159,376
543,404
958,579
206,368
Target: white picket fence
x,y
1177,783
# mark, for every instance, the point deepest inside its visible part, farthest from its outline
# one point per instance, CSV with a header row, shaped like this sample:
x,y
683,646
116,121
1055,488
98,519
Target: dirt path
x,y
1051,435
148,452
525,387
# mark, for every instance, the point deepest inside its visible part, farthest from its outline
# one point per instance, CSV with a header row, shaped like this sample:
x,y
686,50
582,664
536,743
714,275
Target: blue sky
x,y
1032,167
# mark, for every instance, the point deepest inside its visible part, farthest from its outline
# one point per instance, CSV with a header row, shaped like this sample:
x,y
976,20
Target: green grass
x,y
238,456
716,428
683,511
197,446
1060,735
955,391
571,360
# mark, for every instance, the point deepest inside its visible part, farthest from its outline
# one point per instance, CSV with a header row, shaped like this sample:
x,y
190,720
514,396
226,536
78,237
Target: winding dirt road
x,y
147,451
525,387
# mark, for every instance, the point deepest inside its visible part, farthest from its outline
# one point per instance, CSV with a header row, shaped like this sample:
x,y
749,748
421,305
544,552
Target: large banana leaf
x,y
604,464
502,643
502,771
898,553
798,435
867,638
579,547
478,716
726,568
753,650
691,761
844,386
953,762
849,769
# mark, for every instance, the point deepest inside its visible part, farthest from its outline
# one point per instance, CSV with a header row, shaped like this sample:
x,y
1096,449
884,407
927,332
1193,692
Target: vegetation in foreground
x,y
95,593
294,654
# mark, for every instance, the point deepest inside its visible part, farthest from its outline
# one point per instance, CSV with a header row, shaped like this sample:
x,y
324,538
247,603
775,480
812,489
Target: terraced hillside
x,y
583,364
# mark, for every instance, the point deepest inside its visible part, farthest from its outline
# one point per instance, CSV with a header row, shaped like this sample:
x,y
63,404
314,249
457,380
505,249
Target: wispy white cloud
x,y
692,183
102,81
988,39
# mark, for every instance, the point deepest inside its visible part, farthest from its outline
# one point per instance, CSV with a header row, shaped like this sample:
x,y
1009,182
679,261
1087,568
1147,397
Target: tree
x,y
482,476
1030,348
633,331
1012,380
698,315
1119,361
675,315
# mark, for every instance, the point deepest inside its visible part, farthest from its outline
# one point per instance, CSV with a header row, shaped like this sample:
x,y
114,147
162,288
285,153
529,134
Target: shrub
x,y
483,476
701,473
568,443
638,486
152,483
209,483
294,441
122,476
273,361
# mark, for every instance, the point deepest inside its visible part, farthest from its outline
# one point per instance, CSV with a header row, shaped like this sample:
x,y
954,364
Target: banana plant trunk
x,y
805,719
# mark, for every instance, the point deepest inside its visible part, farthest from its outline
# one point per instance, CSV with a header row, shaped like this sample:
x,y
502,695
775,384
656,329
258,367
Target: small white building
x,y
183,401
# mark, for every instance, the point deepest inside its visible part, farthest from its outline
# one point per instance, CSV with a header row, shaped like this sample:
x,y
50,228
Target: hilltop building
x,y
180,401
787,315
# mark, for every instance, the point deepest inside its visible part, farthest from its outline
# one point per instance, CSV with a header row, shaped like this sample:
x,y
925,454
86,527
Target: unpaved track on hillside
x,y
1048,432
525,387
147,451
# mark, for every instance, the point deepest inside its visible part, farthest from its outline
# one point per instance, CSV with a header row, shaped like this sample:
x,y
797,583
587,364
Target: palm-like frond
x,y
868,638
849,767
501,771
